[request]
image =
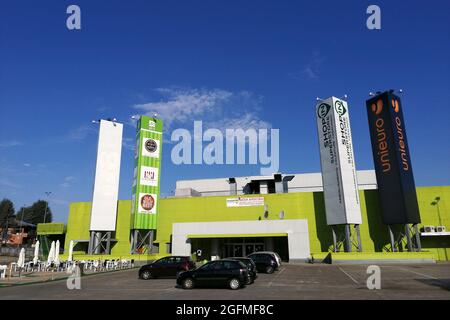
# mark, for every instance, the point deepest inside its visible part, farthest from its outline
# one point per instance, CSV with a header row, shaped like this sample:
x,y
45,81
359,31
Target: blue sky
x,y
256,63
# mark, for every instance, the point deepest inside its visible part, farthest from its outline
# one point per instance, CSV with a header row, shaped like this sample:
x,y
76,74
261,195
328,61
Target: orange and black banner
x,y
392,160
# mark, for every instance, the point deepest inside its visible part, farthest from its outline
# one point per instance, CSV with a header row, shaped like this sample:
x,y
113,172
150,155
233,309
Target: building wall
x,y
79,220
78,223
304,205
295,230
301,182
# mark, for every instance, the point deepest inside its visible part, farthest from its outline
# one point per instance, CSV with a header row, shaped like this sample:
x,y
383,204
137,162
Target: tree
x,y
6,211
35,213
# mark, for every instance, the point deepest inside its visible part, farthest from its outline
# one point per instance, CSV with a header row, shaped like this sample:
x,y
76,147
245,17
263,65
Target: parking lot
x,y
316,281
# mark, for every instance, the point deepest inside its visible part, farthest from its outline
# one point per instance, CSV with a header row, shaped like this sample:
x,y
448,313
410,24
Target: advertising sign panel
x,y
390,150
107,173
245,202
146,180
340,184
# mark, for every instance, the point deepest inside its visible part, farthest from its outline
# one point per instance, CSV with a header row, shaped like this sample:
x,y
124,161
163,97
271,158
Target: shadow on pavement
x,y
441,283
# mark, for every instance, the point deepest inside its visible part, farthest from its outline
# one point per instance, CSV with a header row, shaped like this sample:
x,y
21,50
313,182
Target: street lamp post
x,y
47,193
21,223
23,212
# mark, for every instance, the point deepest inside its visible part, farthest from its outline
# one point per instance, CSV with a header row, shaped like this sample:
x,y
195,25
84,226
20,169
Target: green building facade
x,y
302,205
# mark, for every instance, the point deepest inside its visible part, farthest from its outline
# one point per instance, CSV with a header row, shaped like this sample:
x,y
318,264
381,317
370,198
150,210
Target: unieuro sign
x,y
147,173
340,184
107,173
390,150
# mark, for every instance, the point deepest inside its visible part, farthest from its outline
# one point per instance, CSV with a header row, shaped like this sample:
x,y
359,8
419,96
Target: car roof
x,y
184,257
226,259
269,252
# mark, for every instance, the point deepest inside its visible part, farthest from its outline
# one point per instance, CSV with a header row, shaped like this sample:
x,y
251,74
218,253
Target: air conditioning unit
x,y
429,229
440,229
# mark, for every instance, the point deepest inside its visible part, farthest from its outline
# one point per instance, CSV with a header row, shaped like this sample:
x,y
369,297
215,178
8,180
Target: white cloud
x,y
102,109
68,181
217,108
249,120
80,133
7,183
313,67
185,105
12,143
128,143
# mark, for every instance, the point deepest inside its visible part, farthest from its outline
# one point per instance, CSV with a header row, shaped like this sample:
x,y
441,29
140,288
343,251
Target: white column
x,y
263,187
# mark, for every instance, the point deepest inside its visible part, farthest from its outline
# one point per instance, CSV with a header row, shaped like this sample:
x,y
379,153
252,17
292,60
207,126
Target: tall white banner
x,y
107,173
340,185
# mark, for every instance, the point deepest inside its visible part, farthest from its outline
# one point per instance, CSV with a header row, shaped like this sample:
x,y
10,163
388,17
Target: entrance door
x,y
237,250
259,247
242,247
249,249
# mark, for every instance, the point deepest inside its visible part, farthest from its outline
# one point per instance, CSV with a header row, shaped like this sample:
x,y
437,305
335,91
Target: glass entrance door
x,y
242,247
237,250
249,248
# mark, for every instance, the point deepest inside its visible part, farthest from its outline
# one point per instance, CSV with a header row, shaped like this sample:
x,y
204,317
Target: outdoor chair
x,y
3,269
13,266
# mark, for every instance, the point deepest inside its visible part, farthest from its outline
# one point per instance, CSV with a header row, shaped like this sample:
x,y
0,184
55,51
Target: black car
x,y
264,262
250,266
225,272
166,267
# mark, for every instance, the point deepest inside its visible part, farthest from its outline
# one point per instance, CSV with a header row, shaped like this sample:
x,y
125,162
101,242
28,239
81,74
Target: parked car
x,y
225,272
264,262
166,267
273,254
250,266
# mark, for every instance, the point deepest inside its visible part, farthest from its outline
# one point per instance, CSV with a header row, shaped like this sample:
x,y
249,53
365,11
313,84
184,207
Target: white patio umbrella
x,y
21,261
70,257
56,256
51,254
36,253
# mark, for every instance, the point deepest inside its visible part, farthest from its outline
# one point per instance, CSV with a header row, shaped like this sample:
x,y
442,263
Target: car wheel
x,y
269,269
146,275
234,284
249,280
188,283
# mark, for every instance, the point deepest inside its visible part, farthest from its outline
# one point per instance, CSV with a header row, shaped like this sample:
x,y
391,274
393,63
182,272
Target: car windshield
x,y
206,266
161,261
248,263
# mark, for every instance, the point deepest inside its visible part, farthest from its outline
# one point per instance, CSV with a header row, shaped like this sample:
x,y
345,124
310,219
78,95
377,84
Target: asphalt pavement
x,y
318,281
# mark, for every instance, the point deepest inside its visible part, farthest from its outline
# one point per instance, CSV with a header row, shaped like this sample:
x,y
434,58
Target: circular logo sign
x,y
151,145
322,110
340,109
147,202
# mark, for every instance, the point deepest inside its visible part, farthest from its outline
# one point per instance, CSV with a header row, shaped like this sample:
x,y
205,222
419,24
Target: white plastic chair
x,y
109,265
14,265
3,269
